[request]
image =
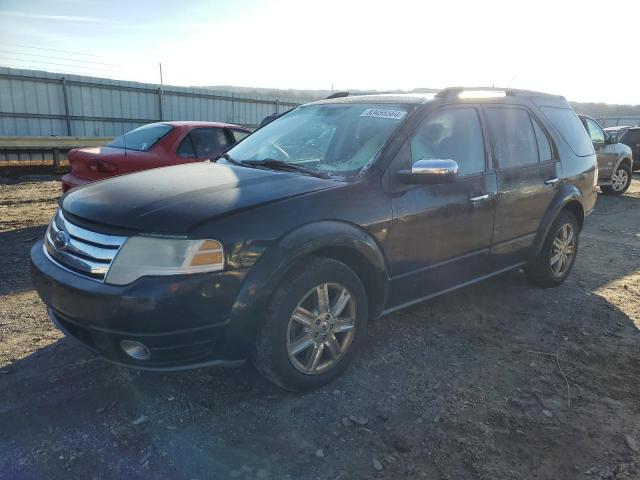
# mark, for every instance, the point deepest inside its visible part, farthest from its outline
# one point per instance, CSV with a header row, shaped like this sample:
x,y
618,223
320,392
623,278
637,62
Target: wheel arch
x,y
626,161
575,207
374,284
342,241
567,199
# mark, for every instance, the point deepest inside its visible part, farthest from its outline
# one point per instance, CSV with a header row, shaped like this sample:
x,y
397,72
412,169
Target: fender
x,y
566,194
624,159
624,153
265,276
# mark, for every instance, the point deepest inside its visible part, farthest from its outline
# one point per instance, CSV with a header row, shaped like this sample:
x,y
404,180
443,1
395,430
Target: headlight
x,y
143,256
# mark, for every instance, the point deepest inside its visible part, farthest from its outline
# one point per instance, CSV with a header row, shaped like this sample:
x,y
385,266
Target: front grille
x,y
82,251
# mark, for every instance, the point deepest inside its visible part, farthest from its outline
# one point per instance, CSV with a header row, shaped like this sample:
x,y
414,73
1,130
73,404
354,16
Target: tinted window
x,y
571,129
514,143
142,138
595,132
209,142
454,134
544,145
631,138
186,147
239,134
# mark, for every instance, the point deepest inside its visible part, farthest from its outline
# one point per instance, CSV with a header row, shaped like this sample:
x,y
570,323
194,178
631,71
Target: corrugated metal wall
x,y
43,103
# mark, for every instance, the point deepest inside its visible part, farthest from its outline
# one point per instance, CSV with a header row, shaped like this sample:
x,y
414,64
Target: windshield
x,y
142,138
330,138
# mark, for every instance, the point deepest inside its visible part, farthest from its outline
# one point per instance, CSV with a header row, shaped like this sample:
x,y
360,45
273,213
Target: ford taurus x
x,y
336,213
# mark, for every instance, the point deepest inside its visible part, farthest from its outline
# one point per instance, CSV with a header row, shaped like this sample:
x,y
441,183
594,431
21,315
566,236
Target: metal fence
x,y
43,103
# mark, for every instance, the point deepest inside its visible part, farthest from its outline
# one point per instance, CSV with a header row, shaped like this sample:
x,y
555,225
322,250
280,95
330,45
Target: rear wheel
x,y
314,325
552,264
620,181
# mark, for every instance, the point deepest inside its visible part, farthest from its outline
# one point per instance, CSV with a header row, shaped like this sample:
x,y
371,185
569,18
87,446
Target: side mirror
x,y
430,171
613,138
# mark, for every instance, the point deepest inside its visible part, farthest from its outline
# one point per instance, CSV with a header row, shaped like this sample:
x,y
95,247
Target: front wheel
x,y
551,266
620,181
314,325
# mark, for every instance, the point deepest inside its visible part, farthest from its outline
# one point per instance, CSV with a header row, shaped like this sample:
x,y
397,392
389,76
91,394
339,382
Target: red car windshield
x,y
142,138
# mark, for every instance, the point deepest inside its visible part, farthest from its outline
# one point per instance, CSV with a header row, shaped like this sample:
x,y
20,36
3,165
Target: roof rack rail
x,y
450,92
480,92
337,95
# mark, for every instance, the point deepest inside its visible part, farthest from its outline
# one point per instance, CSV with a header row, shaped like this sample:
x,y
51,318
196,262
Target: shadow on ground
x,y
473,384
497,380
15,248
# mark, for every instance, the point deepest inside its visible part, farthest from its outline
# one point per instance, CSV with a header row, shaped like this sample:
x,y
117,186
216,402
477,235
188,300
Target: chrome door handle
x,y
551,181
480,198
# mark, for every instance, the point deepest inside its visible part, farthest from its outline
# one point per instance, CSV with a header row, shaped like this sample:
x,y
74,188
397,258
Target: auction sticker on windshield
x,y
383,113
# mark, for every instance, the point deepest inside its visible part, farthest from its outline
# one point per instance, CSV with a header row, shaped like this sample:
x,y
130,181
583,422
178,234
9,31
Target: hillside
x,y
593,109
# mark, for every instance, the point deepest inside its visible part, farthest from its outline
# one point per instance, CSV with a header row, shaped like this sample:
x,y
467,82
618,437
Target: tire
x,y
282,334
540,269
619,187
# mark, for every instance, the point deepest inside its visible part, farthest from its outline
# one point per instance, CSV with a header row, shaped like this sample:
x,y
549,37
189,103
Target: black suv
x,y
630,136
334,214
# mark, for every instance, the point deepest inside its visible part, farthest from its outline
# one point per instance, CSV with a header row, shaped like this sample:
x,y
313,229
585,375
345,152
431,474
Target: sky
x,y
571,48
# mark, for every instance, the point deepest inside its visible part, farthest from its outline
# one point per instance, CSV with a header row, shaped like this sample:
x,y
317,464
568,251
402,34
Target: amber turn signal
x,y
209,253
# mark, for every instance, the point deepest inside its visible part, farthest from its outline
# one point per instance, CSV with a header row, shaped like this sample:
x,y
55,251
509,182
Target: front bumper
x,y
182,320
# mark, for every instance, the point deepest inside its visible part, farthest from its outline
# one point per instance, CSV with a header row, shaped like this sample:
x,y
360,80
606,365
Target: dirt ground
x,y
500,380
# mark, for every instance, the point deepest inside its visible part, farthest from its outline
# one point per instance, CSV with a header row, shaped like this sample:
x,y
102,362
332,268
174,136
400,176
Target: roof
x,y
447,93
508,92
194,123
621,117
619,127
406,98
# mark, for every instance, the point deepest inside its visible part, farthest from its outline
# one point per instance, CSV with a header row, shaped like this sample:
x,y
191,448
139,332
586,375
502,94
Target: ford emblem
x,y
61,240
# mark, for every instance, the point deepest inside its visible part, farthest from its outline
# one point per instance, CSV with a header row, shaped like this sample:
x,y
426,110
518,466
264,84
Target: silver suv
x,y
615,159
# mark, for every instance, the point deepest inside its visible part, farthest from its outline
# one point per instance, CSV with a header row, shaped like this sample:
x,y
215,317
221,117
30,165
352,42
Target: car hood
x,y
173,200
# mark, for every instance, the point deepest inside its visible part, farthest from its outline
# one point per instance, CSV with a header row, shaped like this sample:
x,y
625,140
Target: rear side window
x,y
544,144
571,129
595,132
186,148
239,134
514,143
142,138
209,142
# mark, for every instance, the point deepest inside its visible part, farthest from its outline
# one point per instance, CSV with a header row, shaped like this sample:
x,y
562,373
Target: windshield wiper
x,y
229,159
273,164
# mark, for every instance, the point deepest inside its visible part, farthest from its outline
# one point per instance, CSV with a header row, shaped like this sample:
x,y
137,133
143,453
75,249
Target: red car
x,y
151,146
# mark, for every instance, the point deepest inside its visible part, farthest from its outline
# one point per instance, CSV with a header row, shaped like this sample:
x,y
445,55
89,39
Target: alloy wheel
x,y
619,179
563,250
321,328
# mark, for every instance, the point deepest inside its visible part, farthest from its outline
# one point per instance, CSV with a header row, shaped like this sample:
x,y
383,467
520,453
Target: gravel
x,y
452,388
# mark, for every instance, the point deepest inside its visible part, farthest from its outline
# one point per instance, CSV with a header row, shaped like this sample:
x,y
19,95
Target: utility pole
x,y
160,94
